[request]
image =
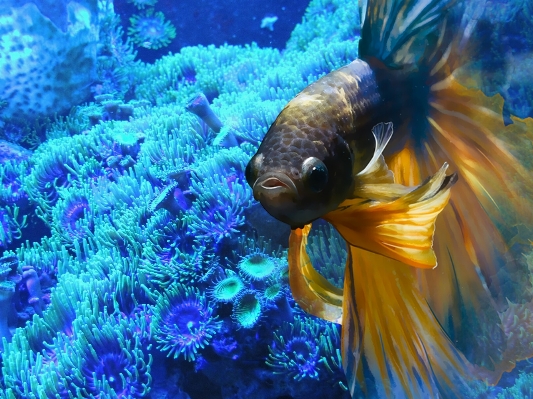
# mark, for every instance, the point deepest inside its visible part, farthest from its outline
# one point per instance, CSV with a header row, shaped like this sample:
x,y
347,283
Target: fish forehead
x,y
302,130
288,145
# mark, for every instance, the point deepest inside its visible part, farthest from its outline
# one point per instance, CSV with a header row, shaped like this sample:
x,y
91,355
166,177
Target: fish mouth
x,y
278,195
275,187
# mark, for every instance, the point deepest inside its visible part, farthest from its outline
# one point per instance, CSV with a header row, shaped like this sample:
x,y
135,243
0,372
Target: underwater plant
x,y
151,30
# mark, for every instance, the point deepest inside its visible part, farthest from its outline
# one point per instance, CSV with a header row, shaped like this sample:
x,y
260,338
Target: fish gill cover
x,y
135,261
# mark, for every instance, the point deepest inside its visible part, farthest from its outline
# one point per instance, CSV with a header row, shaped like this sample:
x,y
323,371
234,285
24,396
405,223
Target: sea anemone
x,y
296,349
257,266
327,251
73,217
306,349
227,289
58,166
171,254
111,357
151,30
11,192
273,292
7,290
11,225
222,195
183,322
247,308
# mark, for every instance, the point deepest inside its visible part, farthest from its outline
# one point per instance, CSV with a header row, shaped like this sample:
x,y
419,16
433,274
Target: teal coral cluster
x,y
147,246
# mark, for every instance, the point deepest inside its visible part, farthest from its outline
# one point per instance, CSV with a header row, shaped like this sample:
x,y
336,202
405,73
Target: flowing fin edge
x,y
312,292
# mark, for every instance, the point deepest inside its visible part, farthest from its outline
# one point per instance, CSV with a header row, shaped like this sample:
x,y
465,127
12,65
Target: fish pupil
x,y
315,174
318,178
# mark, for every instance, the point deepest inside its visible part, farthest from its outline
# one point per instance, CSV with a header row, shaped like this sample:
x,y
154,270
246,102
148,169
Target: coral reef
x,y
136,260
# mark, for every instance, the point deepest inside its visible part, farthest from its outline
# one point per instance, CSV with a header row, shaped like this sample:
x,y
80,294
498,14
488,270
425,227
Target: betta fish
x,y
416,169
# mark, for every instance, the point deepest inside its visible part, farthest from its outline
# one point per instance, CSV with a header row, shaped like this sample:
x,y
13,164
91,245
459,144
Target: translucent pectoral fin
x,y
401,229
310,289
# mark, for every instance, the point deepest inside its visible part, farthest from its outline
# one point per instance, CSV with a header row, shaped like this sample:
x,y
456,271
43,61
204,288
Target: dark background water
x,y
223,21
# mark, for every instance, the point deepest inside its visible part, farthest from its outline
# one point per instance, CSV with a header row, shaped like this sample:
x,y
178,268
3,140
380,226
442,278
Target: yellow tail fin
x,y
389,332
480,237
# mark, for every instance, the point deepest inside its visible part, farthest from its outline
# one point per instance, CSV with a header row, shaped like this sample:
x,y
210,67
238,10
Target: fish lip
x,y
272,185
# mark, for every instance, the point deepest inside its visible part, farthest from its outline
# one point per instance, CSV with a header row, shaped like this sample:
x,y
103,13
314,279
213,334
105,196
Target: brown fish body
x,y
327,124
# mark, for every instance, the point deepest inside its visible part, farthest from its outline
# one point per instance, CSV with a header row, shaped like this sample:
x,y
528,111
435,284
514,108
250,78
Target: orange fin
x,y
312,292
481,235
387,321
401,229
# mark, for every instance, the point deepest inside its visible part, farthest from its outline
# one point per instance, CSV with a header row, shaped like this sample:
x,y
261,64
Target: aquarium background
x,y
135,261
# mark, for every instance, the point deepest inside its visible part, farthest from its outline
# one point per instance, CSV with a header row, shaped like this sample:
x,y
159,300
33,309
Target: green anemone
x,y
226,290
247,309
257,266
273,292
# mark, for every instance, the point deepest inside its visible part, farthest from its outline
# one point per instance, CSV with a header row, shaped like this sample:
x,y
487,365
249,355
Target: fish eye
x,y
315,174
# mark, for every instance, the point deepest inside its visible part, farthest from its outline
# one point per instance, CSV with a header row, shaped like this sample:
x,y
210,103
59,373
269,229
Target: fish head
x,y
300,172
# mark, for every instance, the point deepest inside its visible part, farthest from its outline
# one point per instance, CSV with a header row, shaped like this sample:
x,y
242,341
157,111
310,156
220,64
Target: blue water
x,y
135,261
